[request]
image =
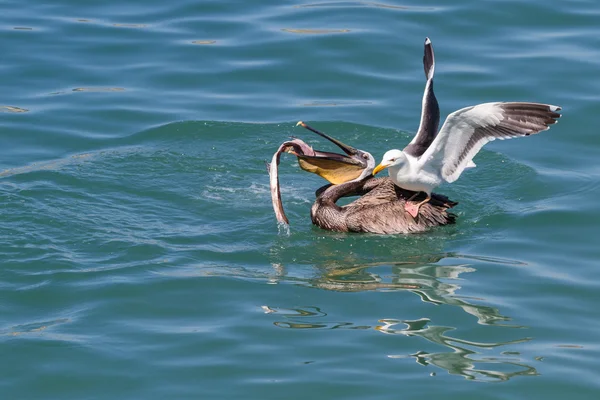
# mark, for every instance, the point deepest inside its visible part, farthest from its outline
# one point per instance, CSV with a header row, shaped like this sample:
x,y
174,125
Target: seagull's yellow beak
x,y
380,167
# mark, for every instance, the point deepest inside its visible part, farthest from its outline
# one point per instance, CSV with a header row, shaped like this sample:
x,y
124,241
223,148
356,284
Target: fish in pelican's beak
x,y
335,168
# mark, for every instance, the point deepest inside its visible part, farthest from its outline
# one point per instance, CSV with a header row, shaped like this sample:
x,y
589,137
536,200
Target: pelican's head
x,y
369,162
393,158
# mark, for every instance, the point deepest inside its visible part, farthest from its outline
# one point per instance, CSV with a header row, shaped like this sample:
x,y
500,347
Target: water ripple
x,y
140,256
315,31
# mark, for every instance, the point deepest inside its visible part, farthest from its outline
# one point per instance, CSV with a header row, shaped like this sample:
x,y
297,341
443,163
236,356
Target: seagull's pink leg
x,y
413,196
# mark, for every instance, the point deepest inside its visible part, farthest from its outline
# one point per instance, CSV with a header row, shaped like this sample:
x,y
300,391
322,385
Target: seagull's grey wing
x,y
466,131
430,110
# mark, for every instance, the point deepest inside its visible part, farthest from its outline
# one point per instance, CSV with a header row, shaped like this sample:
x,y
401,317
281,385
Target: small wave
x,y
315,31
355,4
204,41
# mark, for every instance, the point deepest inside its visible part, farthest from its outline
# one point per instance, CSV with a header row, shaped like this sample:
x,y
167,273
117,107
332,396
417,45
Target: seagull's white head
x,y
393,158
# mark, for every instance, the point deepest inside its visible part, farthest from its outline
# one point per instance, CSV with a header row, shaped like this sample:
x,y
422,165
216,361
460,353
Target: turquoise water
x,y
140,257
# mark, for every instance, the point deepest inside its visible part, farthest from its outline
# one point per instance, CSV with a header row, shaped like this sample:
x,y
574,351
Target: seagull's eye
x,y
365,156
393,159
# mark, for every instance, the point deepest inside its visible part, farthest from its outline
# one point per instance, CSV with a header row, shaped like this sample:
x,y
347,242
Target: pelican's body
x,y
380,209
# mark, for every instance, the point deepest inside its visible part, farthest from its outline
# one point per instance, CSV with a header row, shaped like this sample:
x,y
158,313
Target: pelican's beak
x,y
380,168
351,151
335,168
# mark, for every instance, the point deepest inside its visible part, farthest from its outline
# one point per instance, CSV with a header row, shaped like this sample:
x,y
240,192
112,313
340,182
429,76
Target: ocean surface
x,y
139,253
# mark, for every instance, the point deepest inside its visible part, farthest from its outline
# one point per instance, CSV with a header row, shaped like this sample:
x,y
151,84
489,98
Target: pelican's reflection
x,y
461,360
434,283
427,280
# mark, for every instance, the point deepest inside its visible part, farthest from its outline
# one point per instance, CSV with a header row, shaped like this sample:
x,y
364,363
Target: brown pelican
x,y
423,168
381,207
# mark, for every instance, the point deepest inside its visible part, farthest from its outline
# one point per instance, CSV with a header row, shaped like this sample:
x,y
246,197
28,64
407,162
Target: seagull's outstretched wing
x,y
466,131
430,110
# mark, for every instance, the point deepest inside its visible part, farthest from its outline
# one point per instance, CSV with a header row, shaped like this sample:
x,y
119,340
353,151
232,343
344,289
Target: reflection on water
x,y
435,279
41,330
99,89
427,280
293,313
12,109
461,360
433,283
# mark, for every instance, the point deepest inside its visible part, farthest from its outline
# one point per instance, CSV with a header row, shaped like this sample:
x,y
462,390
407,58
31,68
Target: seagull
x,y
463,134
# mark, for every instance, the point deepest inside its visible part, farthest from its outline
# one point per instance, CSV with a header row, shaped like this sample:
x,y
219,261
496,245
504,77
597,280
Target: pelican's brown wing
x,y
381,209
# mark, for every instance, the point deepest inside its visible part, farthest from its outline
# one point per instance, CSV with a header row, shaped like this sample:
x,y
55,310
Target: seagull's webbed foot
x,y
412,209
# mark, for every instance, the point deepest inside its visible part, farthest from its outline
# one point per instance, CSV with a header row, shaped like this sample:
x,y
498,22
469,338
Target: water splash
x,y
283,229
